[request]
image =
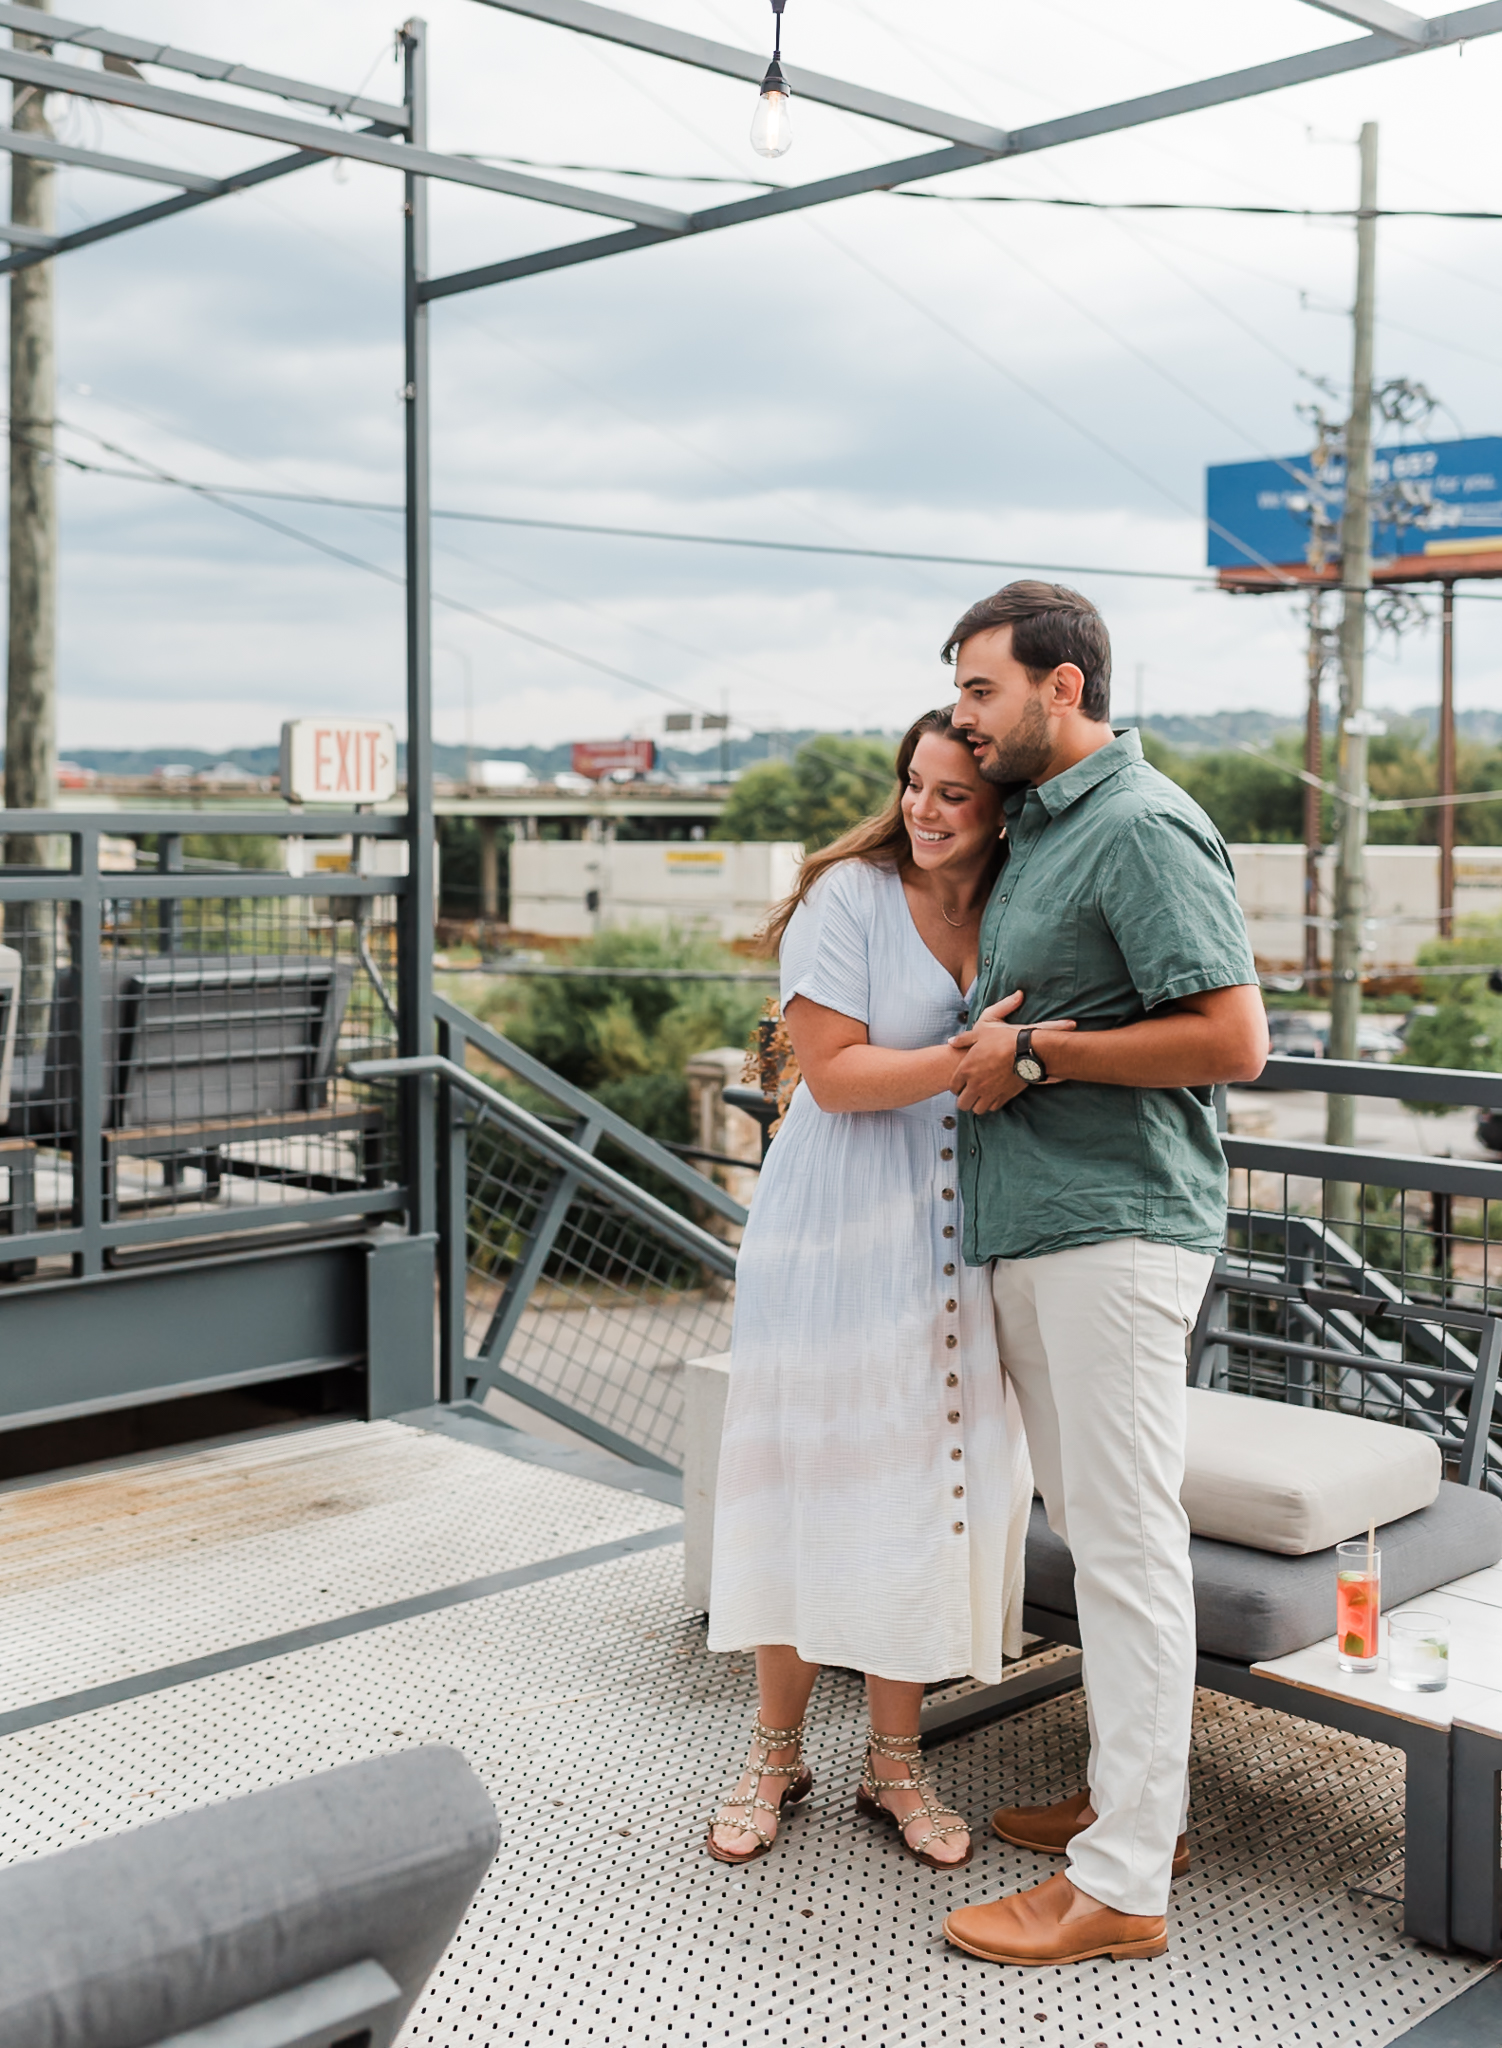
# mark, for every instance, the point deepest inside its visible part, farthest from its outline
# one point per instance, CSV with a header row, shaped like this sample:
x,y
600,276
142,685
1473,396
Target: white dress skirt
x,y
874,1482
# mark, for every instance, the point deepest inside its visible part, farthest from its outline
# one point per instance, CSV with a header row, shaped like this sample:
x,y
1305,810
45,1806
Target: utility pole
x,y
1446,763
1313,795
1355,583
31,669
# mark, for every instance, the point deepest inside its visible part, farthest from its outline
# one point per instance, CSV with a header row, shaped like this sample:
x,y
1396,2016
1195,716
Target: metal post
x,y
31,670
415,968
1355,581
1313,799
490,872
1446,763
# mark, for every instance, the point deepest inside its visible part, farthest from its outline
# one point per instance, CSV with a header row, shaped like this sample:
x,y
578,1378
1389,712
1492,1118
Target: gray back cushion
x,y
116,1943
1253,1604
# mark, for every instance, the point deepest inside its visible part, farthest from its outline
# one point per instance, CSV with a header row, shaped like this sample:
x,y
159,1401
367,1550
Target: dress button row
x,y
950,1267
947,1153
950,1342
951,1305
959,1493
956,1453
949,1230
947,1193
954,1414
959,1528
951,1379
949,1123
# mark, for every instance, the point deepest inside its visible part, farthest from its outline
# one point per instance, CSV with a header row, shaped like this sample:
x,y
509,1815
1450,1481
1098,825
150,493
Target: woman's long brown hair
x,y
881,839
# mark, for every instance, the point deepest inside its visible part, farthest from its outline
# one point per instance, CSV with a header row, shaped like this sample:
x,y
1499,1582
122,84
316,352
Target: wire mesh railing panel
x,y
172,1054
574,1296
1364,1298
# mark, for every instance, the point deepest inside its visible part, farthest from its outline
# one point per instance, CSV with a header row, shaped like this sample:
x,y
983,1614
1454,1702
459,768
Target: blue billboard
x,y
1428,498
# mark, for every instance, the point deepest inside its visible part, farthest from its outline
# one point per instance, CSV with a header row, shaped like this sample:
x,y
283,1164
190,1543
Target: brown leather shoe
x,y
1029,1927
1050,1829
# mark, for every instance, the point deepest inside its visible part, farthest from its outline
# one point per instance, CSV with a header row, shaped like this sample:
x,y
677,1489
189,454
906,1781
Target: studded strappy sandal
x,y
799,1784
908,1750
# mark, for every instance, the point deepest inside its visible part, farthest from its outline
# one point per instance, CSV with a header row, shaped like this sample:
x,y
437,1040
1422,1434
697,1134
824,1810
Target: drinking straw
x,y
1371,1548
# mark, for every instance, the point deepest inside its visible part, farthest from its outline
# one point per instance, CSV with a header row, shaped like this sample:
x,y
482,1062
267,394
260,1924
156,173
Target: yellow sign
x,y
695,860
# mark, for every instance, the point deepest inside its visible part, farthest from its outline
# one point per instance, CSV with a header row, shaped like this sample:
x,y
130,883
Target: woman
x,y
873,1483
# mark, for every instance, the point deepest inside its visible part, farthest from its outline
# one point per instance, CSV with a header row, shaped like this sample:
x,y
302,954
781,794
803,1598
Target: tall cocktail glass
x,y
1358,1604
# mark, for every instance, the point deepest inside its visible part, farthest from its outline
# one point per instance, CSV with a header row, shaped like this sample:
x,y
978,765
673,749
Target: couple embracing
x,y
978,1249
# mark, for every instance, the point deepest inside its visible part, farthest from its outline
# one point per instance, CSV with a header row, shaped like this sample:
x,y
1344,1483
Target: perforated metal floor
x,y
606,1733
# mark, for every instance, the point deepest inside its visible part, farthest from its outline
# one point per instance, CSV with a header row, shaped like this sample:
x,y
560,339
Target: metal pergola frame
x,y
395,137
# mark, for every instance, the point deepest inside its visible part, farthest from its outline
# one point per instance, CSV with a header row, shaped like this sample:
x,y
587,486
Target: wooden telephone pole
x,y
31,666
1355,584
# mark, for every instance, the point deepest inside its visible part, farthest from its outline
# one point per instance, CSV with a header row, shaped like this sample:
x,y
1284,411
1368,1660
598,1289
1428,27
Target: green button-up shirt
x,y
1117,896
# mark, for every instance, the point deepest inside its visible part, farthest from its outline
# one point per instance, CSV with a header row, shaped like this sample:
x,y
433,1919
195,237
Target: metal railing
x,y
1362,1280
576,1273
181,1033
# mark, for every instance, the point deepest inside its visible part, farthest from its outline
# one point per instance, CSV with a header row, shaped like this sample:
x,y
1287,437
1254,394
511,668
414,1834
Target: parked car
x,y
1293,1037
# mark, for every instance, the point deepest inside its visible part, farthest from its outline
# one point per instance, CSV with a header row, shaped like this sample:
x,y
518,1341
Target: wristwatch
x,y
1026,1064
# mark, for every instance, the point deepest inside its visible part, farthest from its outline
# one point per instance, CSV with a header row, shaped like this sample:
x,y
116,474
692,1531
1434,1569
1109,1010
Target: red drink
x,y
1358,1603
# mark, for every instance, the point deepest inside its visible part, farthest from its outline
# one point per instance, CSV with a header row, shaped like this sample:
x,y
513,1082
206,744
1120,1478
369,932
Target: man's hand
x,y
986,1078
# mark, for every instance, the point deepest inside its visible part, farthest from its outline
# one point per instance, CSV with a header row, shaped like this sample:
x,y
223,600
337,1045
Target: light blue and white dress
x,y
874,1483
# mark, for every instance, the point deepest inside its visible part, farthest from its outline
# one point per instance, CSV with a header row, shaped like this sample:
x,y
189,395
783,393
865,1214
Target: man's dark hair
x,y
1051,624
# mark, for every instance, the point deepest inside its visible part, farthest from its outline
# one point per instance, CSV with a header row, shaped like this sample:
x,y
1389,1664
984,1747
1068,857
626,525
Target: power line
x,y
711,540
1007,198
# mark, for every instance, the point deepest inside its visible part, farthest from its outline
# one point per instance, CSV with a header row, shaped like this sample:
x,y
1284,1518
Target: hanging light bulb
x,y
771,125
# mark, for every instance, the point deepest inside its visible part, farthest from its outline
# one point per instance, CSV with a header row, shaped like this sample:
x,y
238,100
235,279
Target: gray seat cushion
x,y
118,1942
1252,1604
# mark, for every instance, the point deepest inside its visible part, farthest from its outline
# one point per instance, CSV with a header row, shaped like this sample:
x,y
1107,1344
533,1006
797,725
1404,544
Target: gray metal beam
x,y
49,76
792,199
163,209
48,147
611,26
137,51
1463,26
1378,15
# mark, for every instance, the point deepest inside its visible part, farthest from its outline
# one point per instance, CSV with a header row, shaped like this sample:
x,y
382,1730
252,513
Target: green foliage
x,y
762,805
1249,799
830,785
1465,1028
243,850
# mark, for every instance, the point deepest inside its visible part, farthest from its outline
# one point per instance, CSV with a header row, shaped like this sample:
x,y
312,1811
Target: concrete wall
x,y
720,887
1402,896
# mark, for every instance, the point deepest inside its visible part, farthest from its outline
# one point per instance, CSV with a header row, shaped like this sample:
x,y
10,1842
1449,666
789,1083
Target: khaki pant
x,y
1095,1341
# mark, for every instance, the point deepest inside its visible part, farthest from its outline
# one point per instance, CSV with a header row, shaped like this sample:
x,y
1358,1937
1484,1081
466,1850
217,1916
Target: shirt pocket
x,y
1038,951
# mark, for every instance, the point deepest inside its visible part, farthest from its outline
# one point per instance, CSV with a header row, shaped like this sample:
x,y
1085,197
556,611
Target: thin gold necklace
x,y
954,924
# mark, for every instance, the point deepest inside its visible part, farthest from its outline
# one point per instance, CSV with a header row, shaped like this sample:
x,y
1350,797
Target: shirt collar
x,y
1060,791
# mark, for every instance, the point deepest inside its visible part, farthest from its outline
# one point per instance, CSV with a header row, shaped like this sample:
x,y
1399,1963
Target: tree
x,y
762,805
829,786
1465,1028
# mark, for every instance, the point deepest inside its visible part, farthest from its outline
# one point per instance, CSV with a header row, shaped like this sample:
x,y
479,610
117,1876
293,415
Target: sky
x,y
1016,382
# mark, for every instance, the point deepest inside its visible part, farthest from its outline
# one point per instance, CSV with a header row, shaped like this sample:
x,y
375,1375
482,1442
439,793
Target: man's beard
x,y
1022,755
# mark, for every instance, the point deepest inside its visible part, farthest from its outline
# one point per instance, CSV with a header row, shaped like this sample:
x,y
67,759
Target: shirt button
x,y
949,1230
950,1306
956,1454
954,1414
950,1267
1000,899
959,1528
959,1493
987,961
947,1193
949,1123
950,1342
948,1152
951,1379
972,1151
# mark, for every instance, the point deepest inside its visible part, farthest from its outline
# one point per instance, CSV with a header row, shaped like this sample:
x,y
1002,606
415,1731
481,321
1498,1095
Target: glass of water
x,y
1418,1651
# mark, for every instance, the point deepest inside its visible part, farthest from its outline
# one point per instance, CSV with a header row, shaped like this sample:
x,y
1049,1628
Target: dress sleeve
x,y
825,949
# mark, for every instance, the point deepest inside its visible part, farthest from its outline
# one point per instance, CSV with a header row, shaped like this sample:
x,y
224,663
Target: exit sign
x,y
338,760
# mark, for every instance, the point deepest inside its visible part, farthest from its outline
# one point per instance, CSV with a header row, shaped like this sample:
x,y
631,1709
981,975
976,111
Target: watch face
x,y
1030,1068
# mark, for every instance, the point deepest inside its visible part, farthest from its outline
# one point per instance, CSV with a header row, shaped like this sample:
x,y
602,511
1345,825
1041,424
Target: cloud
x,y
1013,382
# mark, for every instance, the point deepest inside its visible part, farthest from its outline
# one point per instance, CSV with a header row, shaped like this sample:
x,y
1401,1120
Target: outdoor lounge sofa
x,y
306,1916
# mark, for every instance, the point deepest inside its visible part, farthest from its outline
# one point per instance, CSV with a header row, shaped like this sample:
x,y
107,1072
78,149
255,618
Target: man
x,y
1101,1202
